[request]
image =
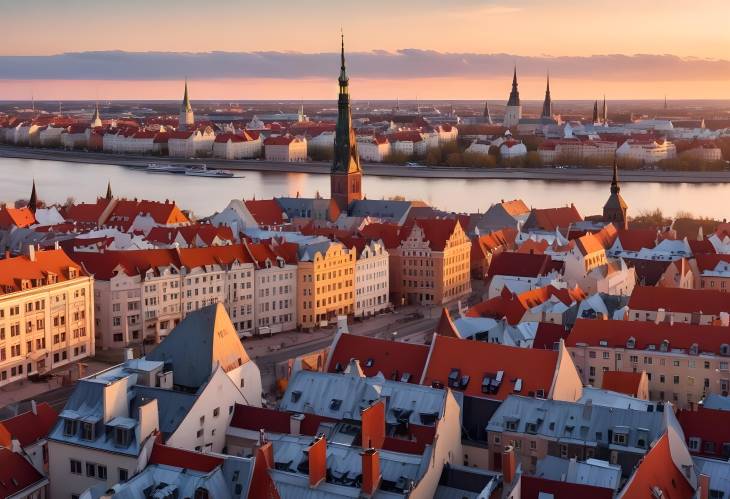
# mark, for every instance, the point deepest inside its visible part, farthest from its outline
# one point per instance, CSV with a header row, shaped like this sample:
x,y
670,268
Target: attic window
x,y
370,362
518,385
428,418
511,424
122,437
724,349
694,349
531,428
338,367
603,343
486,380
664,347
540,393
405,378
87,431
69,427
335,404
295,396
631,342
464,382
454,378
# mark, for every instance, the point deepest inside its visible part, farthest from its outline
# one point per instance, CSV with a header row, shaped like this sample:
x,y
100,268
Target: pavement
x,y
378,169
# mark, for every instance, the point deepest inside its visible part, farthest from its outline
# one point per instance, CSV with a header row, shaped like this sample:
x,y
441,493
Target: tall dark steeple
x,y
605,111
595,112
346,175
487,115
547,105
108,195
514,95
33,201
614,211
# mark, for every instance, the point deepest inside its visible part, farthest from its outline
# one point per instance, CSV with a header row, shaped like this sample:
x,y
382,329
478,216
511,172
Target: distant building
x,y
187,119
513,111
285,148
647,151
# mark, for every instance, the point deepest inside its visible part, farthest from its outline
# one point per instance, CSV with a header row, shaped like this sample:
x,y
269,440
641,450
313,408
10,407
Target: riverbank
x,y
379,169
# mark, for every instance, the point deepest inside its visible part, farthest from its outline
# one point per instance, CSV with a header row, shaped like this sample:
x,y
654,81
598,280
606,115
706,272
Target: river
x,y
58,180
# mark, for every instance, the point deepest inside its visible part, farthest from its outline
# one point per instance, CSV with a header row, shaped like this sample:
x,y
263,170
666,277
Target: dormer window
x,y
335,404
69,427
724,349
405,378
295,396
511,424
122,437
664,347
370,362
694,349
631,342
87,431
454,376
464,382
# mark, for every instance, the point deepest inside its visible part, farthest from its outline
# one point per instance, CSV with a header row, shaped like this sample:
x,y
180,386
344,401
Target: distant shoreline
x,y
380,169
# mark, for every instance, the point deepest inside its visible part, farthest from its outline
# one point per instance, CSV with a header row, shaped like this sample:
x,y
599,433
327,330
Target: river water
x,y
58,180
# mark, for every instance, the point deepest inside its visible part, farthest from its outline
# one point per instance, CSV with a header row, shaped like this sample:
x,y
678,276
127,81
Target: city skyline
x,y
466,52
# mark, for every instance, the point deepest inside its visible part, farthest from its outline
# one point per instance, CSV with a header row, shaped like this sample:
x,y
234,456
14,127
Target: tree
x,y
455,159
533,160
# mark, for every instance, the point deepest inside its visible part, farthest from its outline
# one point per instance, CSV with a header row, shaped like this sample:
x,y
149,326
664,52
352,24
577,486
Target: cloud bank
x,y
401,64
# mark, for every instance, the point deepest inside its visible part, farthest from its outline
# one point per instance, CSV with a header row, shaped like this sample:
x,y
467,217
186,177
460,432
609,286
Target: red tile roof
x,y
86,213
16,473
710,425
513,307
551,219
179,458
658,471
488,243
279,140
266,212
438,231
205,232
476,359
532,486
27,427
392,358
707,301
548,334
13,271
509,263
446,326
635,239
18,217
709,262
622,382
125,211
617,333
390,234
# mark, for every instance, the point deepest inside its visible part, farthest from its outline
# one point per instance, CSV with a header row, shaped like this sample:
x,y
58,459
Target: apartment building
x,y
683,362
325,283
145,293
275,286
46,314
673,305
372,287
434,263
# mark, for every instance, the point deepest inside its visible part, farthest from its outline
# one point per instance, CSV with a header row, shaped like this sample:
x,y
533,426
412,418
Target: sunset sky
x,y
460,49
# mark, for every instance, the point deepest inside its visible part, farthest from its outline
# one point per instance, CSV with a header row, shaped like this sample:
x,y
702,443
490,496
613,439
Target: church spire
x,y
595,112
605,111
547,105
615,188
514,95
187,118
614,211
33,201
487,115
186,99
108,195
345,180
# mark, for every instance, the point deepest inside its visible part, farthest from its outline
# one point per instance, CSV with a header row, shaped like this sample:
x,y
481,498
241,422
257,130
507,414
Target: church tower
x,y
605,111
595,112
187,119
346,175
33,200
513,111
547,105
487,115
614,211
96,119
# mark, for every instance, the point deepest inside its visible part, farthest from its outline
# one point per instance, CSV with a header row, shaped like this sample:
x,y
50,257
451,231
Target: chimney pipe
x,y
34,407
509,464
295,424
370,472
317,456
704,486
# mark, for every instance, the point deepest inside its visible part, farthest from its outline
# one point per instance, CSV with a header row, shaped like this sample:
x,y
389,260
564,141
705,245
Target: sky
x,y
458,49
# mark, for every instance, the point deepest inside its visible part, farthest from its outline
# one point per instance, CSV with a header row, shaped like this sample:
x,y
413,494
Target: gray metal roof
x,y
719,472
344,463
306,252
716,401
343,396
387,210
317,208
608,398
593,472
196,345
172,406
572,422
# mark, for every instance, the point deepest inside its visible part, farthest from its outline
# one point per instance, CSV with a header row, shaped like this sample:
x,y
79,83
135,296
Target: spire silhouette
x,y
33,201
108,195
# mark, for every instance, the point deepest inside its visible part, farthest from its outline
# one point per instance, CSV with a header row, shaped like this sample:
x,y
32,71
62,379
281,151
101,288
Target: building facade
x,y
372,288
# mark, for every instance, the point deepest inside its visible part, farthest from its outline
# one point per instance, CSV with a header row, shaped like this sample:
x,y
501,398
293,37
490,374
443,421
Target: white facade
x,y
705,153
646,151
373,148
51,136
286,149
275,297
512,116
191,144
238,148
512,149
371,280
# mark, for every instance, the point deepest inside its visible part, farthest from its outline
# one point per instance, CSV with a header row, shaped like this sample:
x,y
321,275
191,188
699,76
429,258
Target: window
x,y
69,427
123,475
216,412
694,444
619,438
676,380
90,469
564,451
75,467
101,472
87,431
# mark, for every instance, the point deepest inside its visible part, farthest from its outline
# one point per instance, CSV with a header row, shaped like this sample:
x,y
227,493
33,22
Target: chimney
x,y
295,424
509,464
370,472
34,407
660,315
373,425
317,458
588,409
128,354
31,253
724,319
704,486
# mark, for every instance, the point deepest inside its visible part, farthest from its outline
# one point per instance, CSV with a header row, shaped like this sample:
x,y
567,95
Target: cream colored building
x,y
144,294
191,143
275,299
372,279
325,283
46,314
371,148
285,148
646,151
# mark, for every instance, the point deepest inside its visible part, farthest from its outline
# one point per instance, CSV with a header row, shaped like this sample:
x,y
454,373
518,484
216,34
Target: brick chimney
x,y
373,425
704,486
509,464
317,456
370,472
